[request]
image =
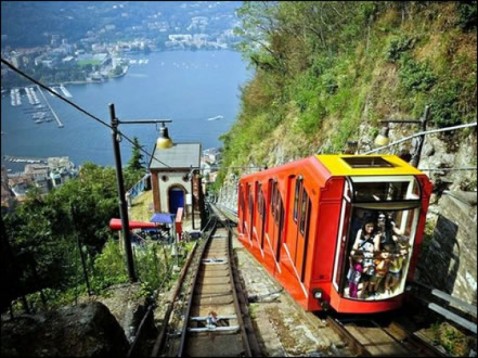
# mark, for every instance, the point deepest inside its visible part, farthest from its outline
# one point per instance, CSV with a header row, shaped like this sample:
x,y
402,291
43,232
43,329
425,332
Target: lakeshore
x,y
208,81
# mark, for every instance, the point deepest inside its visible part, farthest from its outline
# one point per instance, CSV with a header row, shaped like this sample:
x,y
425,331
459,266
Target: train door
x,y
291,239
250,207
242,209
247,224
261,210
277,208
301,217
345,233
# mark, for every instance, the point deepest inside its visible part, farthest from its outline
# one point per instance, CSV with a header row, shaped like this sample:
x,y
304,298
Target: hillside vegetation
x,y
325,69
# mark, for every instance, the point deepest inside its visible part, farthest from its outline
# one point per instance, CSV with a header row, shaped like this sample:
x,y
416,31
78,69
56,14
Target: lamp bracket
x,y
143,121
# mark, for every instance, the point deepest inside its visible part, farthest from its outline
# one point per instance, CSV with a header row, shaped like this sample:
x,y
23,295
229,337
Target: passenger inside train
x,y
387,230
395,268
377,257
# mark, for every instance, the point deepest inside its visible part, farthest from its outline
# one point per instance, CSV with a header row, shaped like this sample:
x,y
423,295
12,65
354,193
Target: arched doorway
x,y
176,195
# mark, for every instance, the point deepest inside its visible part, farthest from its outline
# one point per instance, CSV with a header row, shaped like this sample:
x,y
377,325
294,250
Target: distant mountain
x,y
33,23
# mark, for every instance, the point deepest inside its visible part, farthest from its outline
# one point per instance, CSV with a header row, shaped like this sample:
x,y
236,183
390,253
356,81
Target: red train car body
x,y
301,221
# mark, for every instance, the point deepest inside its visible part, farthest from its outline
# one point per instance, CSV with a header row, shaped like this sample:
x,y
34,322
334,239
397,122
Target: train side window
x,y
275,203
298,186
260,202
269,194
304,212
261,209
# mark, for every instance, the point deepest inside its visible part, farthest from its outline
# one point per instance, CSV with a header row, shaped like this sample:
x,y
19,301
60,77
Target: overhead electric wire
x,y
71,103
423,133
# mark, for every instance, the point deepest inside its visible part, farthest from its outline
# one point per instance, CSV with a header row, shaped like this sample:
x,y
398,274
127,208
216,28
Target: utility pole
x,y
418,151
115,122
122,195
383,139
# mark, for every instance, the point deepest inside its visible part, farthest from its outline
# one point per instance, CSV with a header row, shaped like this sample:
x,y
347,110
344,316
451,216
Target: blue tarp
x,y
162,218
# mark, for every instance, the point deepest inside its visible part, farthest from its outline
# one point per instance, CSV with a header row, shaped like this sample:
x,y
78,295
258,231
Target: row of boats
x,y
39,117
16,99
39,112
32,95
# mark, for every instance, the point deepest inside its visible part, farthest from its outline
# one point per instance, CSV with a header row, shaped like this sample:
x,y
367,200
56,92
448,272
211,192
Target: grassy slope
x,y
401,63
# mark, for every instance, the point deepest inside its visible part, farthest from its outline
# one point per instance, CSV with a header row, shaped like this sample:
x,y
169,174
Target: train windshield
x,y
376,236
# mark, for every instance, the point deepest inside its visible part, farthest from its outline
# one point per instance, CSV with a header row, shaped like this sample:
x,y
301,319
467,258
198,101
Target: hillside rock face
x,y
448,261
87,330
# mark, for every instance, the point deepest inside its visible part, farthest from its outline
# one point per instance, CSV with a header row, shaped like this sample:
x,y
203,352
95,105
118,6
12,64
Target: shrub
x,y
397,46
415,76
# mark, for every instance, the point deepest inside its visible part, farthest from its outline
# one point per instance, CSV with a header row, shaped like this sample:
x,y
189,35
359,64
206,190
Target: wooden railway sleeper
x,y
214,261
202,318
214,329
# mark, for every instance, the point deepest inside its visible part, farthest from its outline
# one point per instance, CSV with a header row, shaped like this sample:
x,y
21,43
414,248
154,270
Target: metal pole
x,y
418,151
122,196
192,198
78,242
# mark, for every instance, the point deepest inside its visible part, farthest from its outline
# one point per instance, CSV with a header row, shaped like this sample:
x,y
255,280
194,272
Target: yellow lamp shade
x,y
382,139
163,141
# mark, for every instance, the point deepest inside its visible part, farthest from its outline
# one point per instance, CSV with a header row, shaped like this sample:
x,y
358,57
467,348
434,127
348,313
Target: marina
x,y
39,112
60,124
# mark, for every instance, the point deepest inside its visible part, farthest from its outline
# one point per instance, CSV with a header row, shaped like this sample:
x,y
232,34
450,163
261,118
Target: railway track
x,y
209,316
378,337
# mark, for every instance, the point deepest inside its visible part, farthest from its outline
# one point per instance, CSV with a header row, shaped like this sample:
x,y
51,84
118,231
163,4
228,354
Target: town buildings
x,y
42,174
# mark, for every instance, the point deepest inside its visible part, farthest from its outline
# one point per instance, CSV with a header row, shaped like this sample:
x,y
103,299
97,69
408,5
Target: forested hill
x,y
27,24
328,72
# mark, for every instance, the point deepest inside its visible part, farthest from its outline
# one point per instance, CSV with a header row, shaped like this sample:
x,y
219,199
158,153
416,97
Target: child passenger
x,y
395,269
367,242
382,265
356,273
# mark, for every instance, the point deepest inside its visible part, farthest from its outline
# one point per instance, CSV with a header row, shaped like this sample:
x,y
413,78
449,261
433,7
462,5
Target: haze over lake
x,y
198,90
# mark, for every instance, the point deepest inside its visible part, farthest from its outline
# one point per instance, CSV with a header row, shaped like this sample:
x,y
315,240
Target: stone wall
x,y
448,260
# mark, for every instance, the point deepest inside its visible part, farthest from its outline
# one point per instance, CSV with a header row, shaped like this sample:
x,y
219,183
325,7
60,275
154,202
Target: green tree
x,y
136,163
135,168
45,232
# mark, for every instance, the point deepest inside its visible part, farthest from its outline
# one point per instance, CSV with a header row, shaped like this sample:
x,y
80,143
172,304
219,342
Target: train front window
x,y
398,189
377,239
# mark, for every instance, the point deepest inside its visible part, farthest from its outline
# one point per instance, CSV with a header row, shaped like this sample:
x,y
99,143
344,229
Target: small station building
x,y
175,178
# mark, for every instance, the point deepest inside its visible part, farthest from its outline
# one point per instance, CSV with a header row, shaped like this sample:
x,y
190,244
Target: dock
x,y
65,91
54,90
60,125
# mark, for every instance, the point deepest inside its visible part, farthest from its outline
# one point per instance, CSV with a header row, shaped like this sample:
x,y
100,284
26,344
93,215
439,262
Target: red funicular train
x,y
339,231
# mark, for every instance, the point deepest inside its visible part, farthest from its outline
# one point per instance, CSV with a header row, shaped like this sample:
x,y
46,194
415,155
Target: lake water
x,y
198,90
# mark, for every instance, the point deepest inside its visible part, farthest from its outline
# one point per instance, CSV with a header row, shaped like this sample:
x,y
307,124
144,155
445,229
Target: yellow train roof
x,y
353,164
